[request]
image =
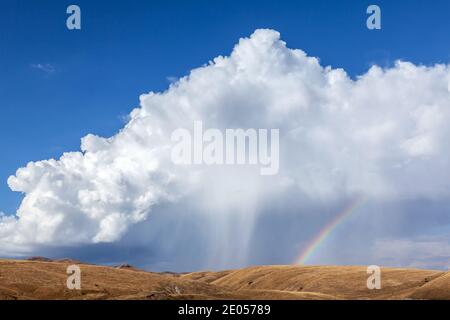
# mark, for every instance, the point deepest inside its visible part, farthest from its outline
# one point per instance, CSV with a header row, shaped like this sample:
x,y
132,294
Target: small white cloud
x,y
172,79
46,68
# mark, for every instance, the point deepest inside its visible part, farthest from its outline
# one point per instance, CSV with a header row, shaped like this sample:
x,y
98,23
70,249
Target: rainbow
x,y
328,229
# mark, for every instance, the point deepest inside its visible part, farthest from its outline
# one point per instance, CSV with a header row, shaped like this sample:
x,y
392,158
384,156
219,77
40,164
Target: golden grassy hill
x,y
44,279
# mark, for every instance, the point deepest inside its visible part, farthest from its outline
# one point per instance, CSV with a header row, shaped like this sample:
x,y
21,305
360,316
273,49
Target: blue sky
x,y
127,48
57,85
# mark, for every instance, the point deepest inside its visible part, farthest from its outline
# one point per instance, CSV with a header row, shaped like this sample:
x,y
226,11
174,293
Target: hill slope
x,y
44,279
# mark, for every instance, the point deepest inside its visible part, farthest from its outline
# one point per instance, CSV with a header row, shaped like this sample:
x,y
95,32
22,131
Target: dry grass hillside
x,y
46,279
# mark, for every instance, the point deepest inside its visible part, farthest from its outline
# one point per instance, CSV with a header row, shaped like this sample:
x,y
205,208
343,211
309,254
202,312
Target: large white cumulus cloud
x,y
384,135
